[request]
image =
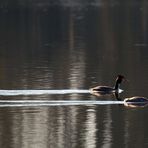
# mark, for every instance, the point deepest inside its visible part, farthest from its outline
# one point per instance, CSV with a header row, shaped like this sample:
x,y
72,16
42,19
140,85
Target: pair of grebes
x,y
109,90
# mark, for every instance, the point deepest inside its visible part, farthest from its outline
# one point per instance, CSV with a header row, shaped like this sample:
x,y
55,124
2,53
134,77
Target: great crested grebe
x,y
136,99
108,89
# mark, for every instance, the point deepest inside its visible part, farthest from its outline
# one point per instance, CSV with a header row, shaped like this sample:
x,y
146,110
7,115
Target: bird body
x,y
102,89
108,89
136,99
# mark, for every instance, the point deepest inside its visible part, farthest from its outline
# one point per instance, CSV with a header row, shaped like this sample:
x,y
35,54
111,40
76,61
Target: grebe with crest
x,y
108,89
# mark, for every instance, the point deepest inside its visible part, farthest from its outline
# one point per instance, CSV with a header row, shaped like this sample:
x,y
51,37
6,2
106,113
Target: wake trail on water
x,y
36,103
40,92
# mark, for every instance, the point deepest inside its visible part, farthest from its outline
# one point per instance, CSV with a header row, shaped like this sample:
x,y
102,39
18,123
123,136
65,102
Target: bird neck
x,y
117,85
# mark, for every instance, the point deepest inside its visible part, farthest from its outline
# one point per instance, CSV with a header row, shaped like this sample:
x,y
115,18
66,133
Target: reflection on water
x,y
107,134
90,126
72,45
71,126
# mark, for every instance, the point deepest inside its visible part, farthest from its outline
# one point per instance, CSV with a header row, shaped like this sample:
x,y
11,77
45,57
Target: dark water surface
x,y
72,47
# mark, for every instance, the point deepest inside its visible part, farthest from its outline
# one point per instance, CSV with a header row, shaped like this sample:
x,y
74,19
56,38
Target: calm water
x,y
56,53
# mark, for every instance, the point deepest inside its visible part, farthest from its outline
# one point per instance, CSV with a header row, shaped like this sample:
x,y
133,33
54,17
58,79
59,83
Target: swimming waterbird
x,y
108,89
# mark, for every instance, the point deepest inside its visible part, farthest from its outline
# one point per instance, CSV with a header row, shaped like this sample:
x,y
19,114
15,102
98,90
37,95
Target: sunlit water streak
x,y
21,103
40,92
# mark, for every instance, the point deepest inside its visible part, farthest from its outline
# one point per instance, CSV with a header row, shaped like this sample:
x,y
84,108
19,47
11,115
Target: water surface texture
x,y
51,53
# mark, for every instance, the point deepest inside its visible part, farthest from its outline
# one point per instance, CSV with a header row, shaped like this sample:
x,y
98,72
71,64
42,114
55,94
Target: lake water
x,y
51,54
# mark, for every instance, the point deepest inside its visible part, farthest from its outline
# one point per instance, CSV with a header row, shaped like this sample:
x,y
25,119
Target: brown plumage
x,y
108,89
